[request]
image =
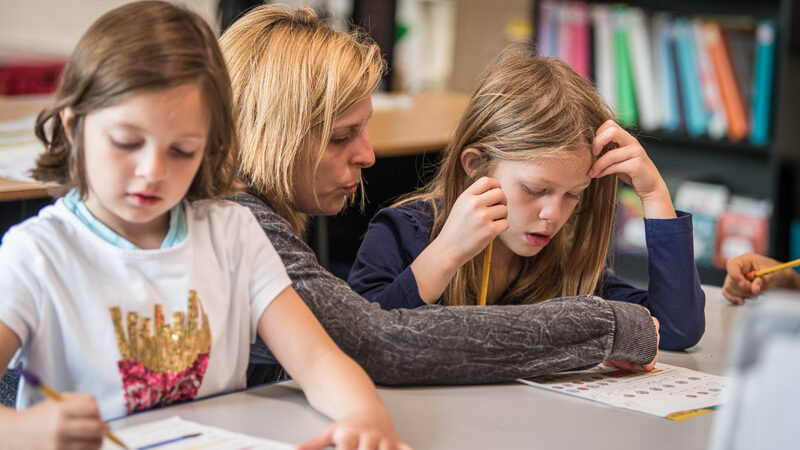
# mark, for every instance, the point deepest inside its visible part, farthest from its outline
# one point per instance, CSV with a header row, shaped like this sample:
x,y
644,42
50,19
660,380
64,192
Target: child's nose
x,y
152,166
551,211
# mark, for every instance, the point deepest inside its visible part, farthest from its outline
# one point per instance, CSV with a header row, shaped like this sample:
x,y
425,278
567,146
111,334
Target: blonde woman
x,y
533,167
301,101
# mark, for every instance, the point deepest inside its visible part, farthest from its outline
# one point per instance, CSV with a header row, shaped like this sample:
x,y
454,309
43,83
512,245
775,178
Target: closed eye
x,y
182,153
533,192
127,145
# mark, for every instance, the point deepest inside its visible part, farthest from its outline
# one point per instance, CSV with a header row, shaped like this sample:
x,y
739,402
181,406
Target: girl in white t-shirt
x,y
138,288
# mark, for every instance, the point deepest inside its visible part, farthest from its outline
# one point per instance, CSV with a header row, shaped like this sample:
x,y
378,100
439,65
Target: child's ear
x,y
471,160
67,120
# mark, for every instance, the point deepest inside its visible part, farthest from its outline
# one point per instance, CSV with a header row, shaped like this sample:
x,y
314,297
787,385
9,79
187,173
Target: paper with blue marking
x,y
175,433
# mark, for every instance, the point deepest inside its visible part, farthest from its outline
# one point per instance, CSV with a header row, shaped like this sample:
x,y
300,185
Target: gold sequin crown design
x,y
170,348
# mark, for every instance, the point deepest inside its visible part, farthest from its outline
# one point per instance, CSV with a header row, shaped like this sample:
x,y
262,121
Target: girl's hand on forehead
x,y
631,163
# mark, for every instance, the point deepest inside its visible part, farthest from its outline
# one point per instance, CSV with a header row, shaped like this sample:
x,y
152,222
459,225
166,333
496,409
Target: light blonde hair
x,y
141,46
526,108
292,75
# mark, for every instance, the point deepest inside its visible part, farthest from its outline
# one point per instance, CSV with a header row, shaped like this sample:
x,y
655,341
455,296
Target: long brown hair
x,y
526,108
292,76
141,46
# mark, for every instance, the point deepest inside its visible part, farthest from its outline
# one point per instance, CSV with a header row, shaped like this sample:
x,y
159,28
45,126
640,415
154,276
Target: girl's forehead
x,y
567,168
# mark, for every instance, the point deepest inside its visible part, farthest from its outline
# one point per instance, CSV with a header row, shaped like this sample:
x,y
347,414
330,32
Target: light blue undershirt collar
x,y
177,223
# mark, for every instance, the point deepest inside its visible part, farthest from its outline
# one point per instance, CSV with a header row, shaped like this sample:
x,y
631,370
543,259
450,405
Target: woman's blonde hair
x,y
141,46
526,108
292,75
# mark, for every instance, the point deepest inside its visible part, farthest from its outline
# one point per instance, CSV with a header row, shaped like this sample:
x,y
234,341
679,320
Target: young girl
x,y
534,164
137,287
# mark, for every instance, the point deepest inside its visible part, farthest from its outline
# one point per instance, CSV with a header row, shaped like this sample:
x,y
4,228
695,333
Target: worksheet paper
x,y
668,391
172,434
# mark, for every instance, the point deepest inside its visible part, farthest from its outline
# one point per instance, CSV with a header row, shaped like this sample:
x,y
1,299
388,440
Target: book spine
x,y
696,116
729,91
626,97
762,82
642,66
604,58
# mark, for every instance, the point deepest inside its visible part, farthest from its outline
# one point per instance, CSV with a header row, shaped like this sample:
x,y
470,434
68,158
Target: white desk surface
x,y
508,415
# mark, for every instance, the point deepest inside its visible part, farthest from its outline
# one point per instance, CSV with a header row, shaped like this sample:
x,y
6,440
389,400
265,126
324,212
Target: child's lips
x,y
144,198
538,239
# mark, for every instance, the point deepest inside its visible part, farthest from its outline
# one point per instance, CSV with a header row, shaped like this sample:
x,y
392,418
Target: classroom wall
x,y
54,26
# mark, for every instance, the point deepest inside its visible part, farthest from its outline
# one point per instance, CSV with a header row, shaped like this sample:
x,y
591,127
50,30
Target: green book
x,y
626,95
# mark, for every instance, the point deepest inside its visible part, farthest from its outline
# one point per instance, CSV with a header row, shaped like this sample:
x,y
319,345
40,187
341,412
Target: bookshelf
x,y
768,170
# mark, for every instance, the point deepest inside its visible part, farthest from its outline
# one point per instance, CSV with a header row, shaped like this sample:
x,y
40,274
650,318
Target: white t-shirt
x,y
59,281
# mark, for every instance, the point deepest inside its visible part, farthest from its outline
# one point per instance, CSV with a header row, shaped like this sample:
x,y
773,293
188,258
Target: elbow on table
x,y
683,338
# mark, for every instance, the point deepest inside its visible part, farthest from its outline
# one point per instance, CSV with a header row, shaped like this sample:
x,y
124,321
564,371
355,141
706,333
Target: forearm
x,y
433,270
337,387
658,204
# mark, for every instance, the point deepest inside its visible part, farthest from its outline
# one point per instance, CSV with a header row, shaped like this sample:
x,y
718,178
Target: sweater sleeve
x,y
457,345
673,295
382,269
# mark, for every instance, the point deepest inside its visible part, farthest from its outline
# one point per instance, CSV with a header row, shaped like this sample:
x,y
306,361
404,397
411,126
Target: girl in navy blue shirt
x,y
533,167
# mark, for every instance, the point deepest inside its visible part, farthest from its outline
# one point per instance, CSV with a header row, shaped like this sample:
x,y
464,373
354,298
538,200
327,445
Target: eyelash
x,y
135,145
341,140
534,193
126,145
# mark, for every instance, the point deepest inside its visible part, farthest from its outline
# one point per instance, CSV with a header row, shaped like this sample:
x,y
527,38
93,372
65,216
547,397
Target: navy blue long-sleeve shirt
x,y
396,236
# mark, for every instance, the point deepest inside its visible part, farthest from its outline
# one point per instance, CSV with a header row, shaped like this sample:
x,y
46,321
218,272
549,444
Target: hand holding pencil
x,y
67,420
477,217
751,273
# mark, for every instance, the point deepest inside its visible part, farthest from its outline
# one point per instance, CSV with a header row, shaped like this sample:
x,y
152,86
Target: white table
x,y
492,416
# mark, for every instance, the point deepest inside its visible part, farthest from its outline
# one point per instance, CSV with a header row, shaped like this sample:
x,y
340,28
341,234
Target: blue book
x,y
762,83
668,89
696,115
548,29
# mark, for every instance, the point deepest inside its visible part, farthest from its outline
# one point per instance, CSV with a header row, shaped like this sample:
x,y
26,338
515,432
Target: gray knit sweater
x,y
455,344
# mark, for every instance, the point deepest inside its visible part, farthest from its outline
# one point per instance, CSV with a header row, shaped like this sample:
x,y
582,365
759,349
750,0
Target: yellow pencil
x,y
53,394
760,273
487,262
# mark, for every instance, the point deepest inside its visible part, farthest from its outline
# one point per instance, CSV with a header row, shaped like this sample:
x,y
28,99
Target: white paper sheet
x,y
669,391
149,435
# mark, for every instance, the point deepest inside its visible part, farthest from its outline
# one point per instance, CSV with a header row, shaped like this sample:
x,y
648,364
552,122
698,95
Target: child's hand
x,y
737,287
478,216
631,163
72,423
633,367
362,431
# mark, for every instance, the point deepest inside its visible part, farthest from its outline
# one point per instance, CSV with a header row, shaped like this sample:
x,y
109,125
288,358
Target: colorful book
x,y
718,121
695,112
604,54
762,83
548,29
642,67
664,64
626,96
564,36
740,38
729,91
579,39
679,96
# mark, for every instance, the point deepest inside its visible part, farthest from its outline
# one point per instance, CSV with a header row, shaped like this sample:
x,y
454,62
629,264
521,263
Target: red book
x,y
29,77
739,233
